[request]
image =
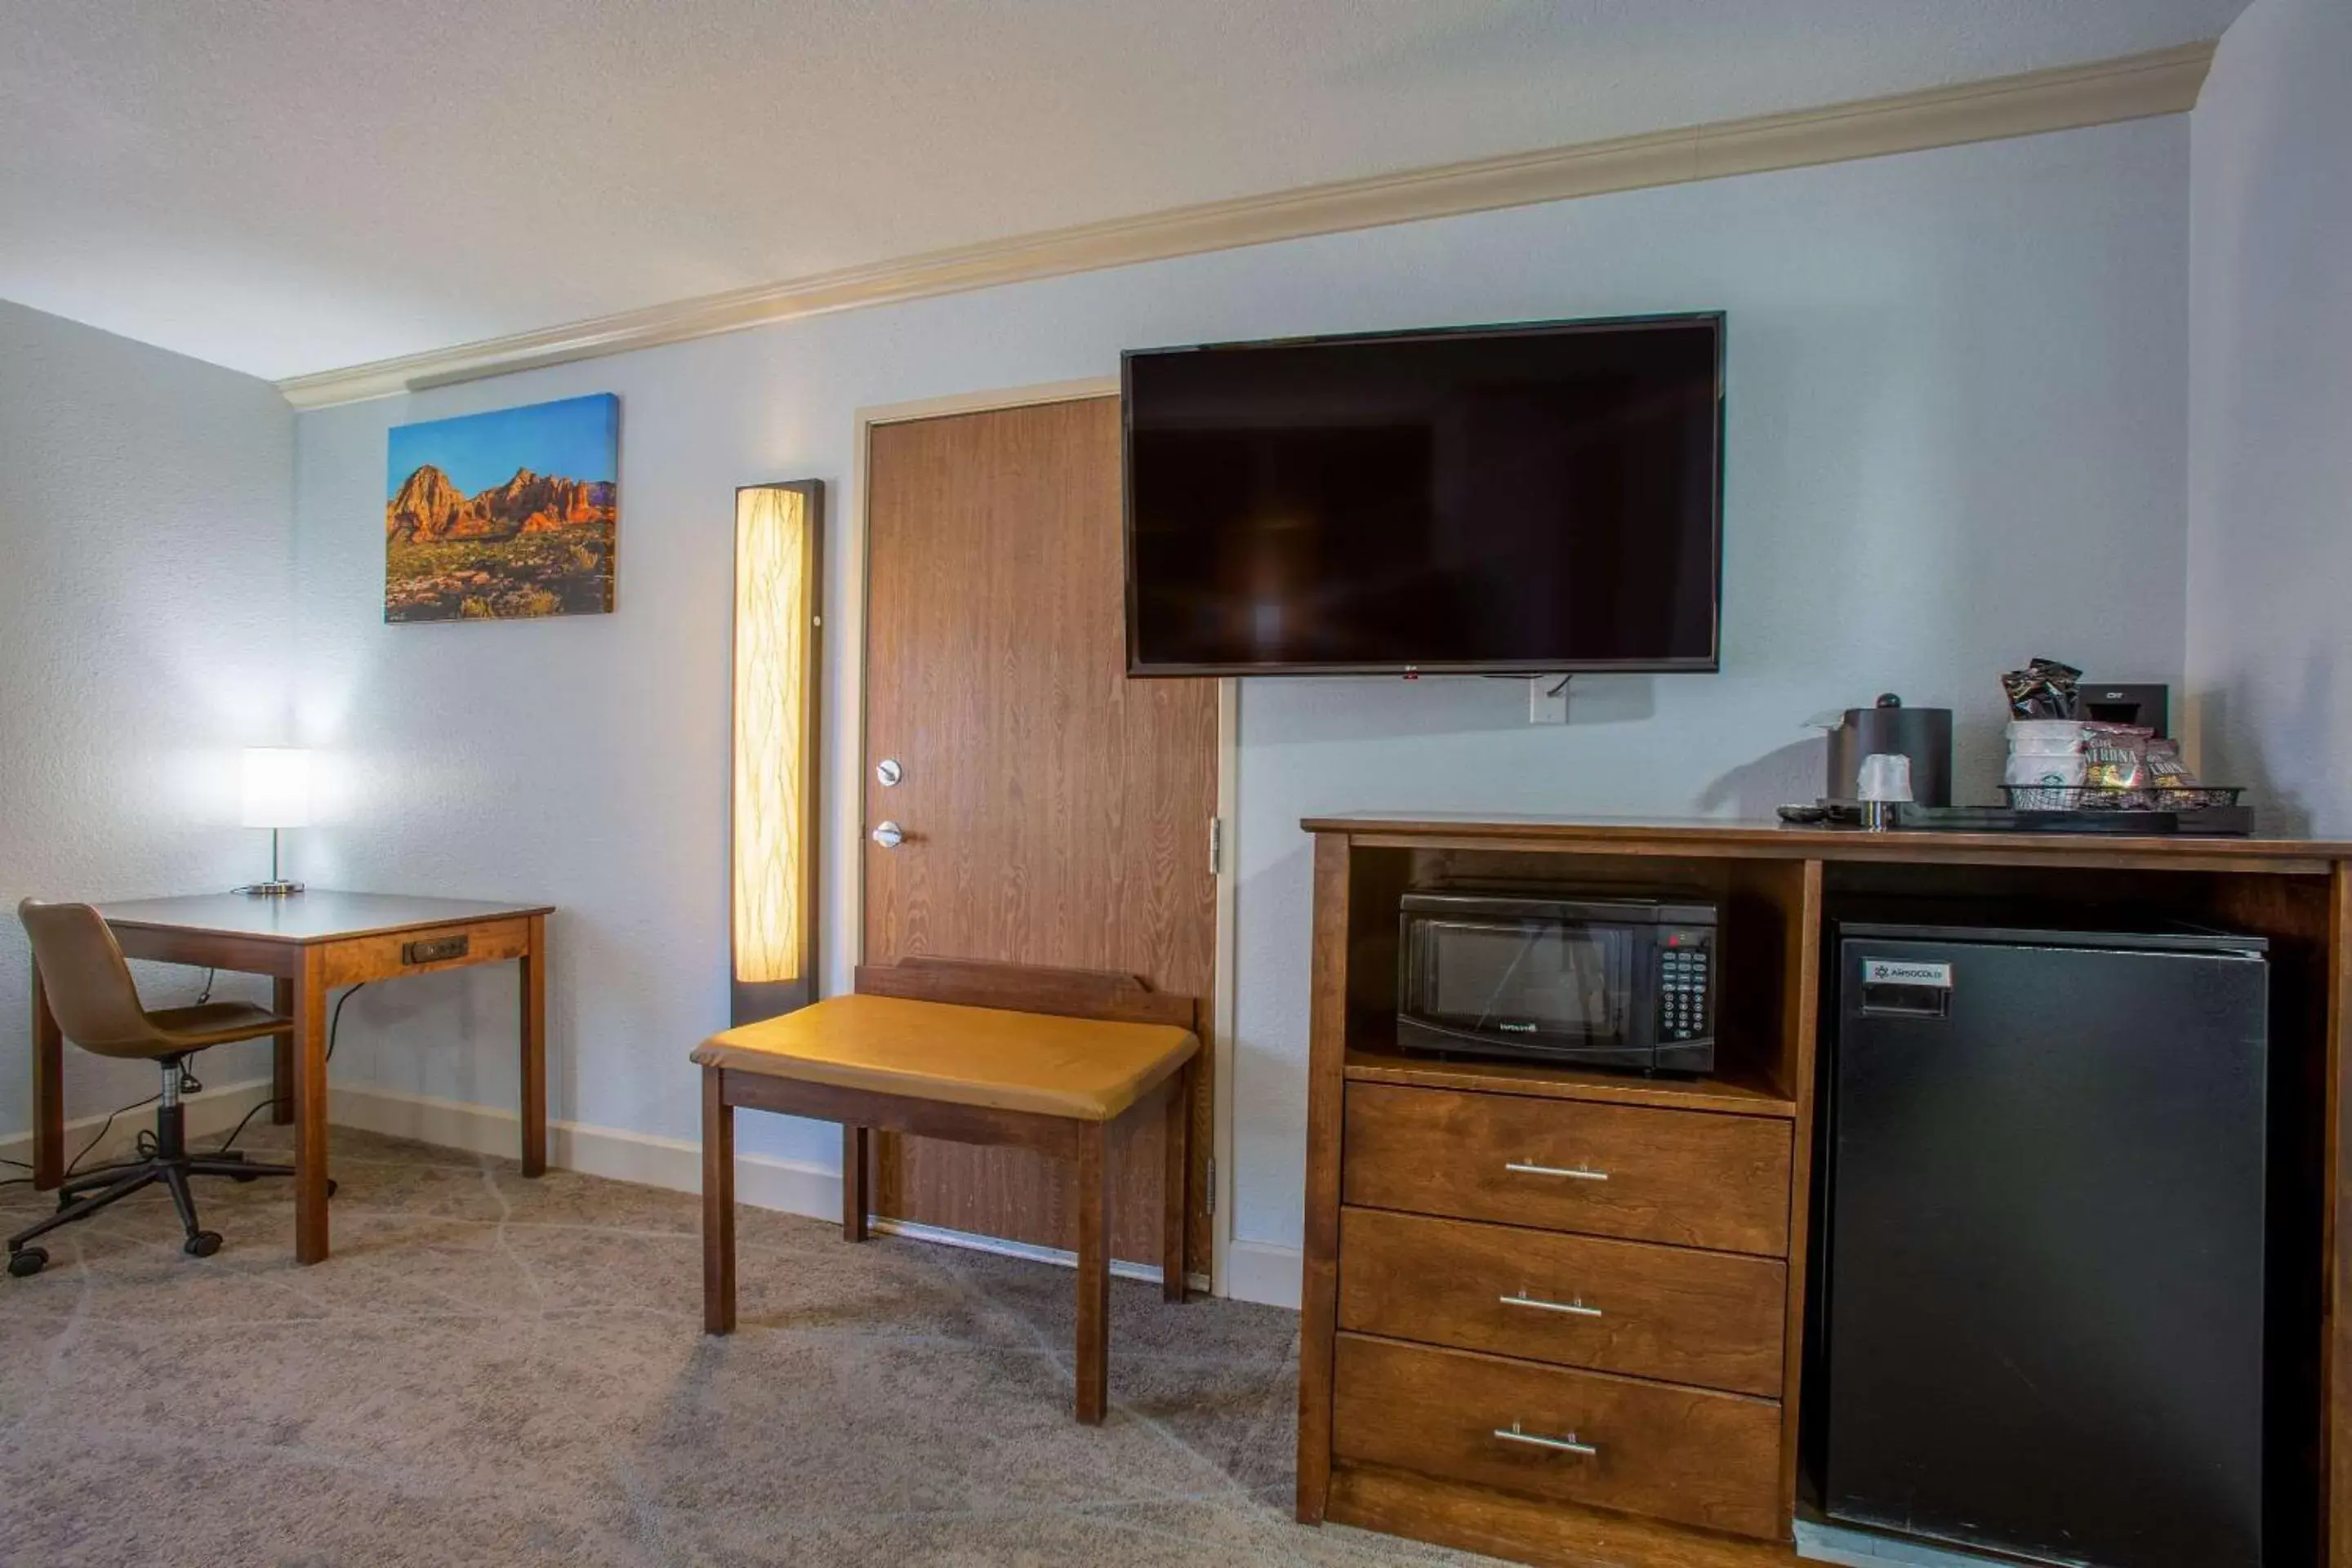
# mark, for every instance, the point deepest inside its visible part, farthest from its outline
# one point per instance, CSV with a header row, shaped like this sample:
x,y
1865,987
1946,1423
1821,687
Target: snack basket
x,y
2080,797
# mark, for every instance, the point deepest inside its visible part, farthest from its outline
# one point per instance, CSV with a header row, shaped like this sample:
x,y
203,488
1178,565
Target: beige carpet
x,y
497,1371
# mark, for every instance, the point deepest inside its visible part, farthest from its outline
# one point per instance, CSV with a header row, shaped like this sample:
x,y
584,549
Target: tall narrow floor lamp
x,y
779,535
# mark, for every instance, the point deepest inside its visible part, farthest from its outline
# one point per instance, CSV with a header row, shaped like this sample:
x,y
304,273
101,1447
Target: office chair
x,y
97,1007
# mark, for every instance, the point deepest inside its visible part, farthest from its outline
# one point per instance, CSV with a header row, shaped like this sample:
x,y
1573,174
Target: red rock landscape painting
x,y
505,515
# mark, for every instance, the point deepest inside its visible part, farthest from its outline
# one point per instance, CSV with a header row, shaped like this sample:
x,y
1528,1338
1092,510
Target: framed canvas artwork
x,y
504,515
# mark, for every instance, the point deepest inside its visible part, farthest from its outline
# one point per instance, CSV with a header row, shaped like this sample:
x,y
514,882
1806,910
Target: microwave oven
x,y
1611,982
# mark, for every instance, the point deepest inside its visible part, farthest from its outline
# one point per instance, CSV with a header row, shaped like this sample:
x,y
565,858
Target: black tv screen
x,y
1504,499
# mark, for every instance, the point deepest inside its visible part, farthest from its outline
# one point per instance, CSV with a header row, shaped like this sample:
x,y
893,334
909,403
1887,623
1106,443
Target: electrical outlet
x,y
1548,700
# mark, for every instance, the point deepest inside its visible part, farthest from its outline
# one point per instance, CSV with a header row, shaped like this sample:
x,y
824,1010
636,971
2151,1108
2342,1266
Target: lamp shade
x,y
276,786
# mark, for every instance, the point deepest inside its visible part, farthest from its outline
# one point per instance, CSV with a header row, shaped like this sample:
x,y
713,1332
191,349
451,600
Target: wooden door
x,y
1054,812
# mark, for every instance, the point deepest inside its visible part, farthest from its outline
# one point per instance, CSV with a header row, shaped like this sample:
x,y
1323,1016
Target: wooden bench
x,y
1065,1061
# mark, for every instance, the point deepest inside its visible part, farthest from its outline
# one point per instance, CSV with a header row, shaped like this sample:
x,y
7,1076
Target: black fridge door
x,y
2044,1257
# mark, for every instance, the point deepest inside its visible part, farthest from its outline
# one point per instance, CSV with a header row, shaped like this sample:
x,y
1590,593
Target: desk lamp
x,y
277,796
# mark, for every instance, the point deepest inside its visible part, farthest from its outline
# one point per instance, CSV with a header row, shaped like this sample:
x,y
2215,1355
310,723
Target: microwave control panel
x,y
1686,983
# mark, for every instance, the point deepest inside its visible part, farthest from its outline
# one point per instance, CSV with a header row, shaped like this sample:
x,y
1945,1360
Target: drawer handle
x,y
1575,1309
1579,1173
1568,1445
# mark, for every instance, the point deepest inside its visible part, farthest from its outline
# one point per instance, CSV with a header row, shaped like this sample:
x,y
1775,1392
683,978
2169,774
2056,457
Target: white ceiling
x,y
300,185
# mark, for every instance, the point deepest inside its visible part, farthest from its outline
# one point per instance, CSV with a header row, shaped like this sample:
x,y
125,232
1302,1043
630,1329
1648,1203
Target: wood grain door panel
x,y
1056,812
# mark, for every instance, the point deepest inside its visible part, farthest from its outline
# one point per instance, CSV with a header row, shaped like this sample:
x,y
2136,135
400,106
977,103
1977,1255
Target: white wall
x,y
146,552
2270,449
1956,396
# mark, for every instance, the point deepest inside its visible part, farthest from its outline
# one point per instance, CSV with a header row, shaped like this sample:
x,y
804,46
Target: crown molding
x,y
2165,81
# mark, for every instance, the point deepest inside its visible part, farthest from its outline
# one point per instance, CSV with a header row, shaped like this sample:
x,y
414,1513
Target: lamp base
x,y
272,889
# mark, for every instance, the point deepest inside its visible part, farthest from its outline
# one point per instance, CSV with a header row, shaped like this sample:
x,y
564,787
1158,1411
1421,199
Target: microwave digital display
x,y
1602,982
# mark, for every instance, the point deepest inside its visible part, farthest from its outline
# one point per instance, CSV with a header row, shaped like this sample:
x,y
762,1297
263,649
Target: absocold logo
x,y
1894,972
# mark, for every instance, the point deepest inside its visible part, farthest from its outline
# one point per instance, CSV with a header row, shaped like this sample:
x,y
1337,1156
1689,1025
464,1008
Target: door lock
x,y
889,836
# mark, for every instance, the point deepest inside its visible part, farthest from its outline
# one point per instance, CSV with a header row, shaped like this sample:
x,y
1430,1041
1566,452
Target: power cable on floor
x,y
99,1137
259,1106
334,1028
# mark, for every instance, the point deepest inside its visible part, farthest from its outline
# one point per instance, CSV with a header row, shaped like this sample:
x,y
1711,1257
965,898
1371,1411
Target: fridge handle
x,y
1906,1001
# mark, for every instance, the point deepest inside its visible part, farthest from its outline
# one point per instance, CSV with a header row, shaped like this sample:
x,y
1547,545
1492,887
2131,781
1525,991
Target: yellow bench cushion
x,y
1082,1068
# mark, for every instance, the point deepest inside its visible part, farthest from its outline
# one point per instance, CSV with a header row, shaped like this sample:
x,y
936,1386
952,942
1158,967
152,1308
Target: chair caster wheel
x,y
331,1186
65,1202
27,1261
241,1178
203,1244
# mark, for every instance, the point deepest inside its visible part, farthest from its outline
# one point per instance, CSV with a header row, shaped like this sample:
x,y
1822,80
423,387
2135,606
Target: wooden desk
x,y
310,944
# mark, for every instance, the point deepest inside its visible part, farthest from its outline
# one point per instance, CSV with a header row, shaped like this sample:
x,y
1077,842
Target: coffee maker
x,y
2145,703
1922,734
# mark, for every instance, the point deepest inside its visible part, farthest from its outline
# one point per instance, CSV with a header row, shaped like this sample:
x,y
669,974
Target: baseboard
x,y
208,1115
1060,1256
1265,1272
790,1186
1258,1272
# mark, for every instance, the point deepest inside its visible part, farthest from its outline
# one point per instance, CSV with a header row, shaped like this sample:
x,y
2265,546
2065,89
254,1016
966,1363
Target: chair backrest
x,y
90,987
1104,994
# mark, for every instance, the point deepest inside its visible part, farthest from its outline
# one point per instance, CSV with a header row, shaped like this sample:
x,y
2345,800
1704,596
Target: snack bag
x,y
2115,757
2164,768
2044,689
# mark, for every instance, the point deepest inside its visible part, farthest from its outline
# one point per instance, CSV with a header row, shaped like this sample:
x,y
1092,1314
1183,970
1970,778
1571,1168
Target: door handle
x,y
889,836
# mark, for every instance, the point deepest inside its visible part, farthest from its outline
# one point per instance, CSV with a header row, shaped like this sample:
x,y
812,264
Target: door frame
x,y
849,773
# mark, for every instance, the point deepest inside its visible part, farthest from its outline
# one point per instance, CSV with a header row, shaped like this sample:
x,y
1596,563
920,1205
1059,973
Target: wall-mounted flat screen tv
x,y
1526,499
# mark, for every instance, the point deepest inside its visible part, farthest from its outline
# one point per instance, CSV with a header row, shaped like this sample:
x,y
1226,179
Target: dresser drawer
x,y
1709,1318
1682,1454
1690,1178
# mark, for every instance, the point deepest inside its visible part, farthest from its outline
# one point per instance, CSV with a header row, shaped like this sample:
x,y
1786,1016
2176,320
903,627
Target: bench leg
x,y
1094,1274
855,1204
718,1205
1176,1169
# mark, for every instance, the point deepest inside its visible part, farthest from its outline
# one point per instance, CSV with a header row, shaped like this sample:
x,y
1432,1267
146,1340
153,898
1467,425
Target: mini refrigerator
x,y
2040,1294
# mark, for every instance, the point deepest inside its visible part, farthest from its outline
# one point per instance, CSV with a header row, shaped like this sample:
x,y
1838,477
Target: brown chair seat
x,y
214,1023
1085,1069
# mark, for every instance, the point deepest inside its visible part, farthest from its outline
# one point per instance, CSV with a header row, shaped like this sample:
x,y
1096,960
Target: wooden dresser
x,y
1559,1315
